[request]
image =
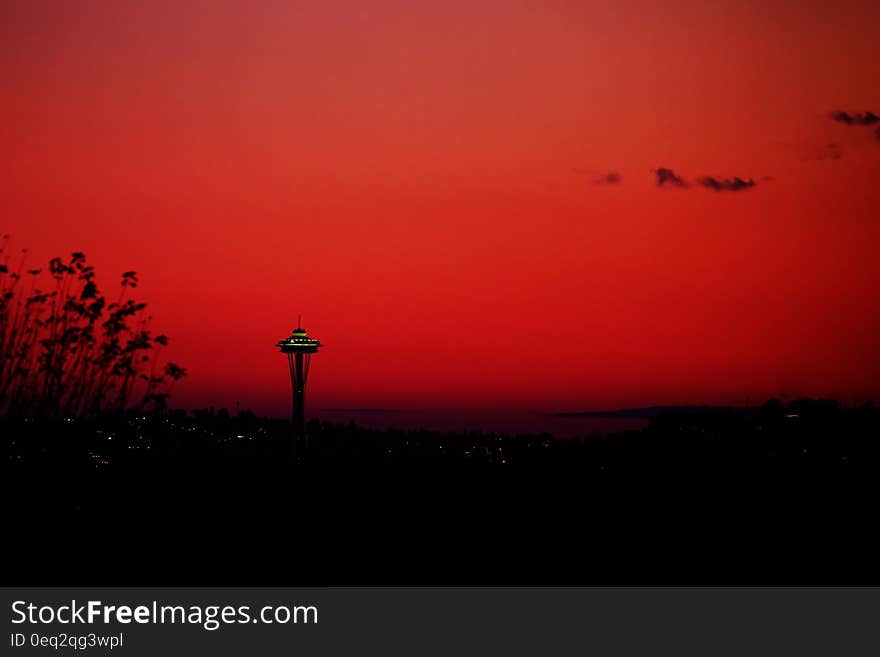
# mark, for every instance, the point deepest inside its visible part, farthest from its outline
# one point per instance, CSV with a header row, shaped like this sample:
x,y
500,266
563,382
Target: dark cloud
x,y
610,178
855,118
734,184
668,177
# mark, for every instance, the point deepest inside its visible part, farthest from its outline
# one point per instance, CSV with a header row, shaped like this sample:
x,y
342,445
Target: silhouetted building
x,y
299,348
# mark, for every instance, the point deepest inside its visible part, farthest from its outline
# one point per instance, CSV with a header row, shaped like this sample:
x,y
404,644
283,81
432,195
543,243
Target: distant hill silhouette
x,y
649,412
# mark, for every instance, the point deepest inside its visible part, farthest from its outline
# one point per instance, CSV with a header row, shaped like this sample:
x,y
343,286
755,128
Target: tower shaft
x,y
299,373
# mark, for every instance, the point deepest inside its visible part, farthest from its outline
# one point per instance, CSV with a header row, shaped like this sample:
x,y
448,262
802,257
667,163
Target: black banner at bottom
x,y
443,621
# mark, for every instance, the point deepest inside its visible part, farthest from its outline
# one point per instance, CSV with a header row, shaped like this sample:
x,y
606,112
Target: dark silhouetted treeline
x,y
804,435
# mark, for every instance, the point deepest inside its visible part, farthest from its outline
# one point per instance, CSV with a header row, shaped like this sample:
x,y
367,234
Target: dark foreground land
x,y
781,495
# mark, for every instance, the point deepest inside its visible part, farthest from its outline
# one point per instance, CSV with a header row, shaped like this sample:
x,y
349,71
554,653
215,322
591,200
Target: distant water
x,y
488,422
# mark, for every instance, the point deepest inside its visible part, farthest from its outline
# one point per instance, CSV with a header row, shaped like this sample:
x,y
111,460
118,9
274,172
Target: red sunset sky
x,y
418,179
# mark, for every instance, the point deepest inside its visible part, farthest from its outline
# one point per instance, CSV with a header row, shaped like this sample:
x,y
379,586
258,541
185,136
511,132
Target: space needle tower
x,y
299,348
